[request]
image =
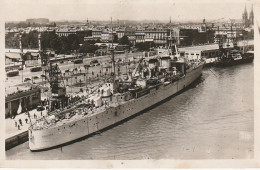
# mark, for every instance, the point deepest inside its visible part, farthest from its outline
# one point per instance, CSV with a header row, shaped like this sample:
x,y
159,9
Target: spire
x,y
170,19
245,17
251,16
245,11
252,11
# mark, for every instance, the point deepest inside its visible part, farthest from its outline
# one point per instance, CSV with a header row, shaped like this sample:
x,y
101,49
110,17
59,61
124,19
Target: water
x,y
212,120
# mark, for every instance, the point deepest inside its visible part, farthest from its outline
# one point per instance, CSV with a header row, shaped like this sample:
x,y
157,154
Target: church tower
x,y
245,17
251,17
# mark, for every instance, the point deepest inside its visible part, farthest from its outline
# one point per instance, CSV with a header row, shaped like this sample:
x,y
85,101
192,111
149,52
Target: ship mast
x,y
170,44
57,86
113,59
220,40
234,40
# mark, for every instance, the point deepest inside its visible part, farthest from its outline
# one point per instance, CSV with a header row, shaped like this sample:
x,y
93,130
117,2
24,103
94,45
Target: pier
x,y
15,136
211,50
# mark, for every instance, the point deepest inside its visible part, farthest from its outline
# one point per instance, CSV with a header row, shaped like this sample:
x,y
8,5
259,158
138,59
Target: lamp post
x,y
21,52
22,70
71,84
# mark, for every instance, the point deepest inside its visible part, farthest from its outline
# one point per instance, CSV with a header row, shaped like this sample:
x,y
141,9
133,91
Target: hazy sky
x,y
19,10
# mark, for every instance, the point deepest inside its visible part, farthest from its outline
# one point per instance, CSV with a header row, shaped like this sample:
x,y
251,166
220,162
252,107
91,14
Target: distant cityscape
x,y
134,33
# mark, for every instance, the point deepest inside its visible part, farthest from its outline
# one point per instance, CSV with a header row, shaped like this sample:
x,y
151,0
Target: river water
x,y
214,119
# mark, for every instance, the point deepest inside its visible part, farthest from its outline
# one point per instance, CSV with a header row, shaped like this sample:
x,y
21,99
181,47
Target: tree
x,y
11,41
65,45
73,42
81,34
115,40
124,40
50,40
144,46
88,48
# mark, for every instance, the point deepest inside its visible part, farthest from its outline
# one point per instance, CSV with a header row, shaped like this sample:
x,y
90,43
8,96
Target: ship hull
x,y
234,62
59,135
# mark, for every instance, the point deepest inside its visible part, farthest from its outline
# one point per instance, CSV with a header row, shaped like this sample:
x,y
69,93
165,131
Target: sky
x,y
179,10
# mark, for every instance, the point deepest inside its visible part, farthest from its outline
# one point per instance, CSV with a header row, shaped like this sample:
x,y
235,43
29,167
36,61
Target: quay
x,y
15,136
211,50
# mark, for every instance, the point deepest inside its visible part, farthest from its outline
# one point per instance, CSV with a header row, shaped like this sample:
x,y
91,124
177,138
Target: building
x,y
27,99
227,33
190,37
199,52
130,33
140,34
89,38
203,27
158,35
29,57
38,20
107,45
120,32
12,57
65,32
106,37
96,33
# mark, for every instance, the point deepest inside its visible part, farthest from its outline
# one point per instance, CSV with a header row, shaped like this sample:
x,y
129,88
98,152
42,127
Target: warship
x,y
153,80
118,98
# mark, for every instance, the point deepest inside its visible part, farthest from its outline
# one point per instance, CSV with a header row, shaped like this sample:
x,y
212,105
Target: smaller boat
x,y
235,57
230,57
36,69
12,73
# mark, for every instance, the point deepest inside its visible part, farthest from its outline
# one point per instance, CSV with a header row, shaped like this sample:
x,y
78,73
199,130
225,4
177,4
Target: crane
x,y
138,66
